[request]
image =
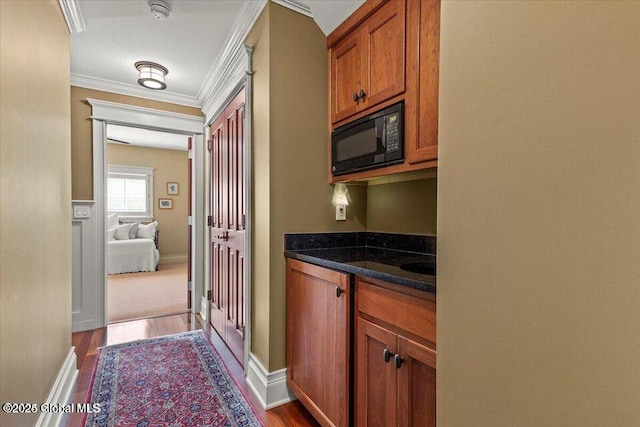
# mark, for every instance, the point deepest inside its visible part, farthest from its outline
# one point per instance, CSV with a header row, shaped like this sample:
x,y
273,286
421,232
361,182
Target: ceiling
x,y
190,43
140,137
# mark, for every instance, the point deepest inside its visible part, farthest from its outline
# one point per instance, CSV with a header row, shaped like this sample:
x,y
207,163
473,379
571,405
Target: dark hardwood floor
x,y
87,344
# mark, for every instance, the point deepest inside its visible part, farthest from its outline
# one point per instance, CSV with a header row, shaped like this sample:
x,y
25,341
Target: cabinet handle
x,y
387,355
355,97
362,94
338,291
399,360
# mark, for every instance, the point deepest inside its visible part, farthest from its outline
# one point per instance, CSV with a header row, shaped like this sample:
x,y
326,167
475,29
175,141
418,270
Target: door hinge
x,y
190,286
209,220
243,328
208,145
209,295
244,220
189,220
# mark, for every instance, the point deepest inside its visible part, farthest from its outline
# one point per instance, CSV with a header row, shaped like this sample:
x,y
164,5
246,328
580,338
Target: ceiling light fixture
x,y
151,75
160,9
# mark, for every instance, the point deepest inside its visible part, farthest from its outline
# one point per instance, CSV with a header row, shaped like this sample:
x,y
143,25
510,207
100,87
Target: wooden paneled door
x,y
227,224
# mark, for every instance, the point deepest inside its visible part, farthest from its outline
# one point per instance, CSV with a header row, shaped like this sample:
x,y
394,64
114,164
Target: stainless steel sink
x,y
420,267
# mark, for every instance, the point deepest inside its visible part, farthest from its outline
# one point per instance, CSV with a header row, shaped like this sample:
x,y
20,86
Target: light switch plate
x,y
341,212
80,212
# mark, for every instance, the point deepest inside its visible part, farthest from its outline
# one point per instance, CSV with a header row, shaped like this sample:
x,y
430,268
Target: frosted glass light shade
x,y
151,75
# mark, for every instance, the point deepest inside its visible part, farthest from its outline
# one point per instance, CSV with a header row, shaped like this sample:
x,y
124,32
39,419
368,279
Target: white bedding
x,y
129,256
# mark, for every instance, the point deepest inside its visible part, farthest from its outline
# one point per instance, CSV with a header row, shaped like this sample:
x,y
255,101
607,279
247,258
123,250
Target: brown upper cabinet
x,y
421,103
367,66
388,51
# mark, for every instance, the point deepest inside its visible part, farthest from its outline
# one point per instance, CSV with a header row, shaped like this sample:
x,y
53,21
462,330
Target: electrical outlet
x,y
341,212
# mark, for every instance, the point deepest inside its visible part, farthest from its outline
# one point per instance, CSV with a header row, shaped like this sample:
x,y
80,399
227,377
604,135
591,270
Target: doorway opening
x,y
92,293
148,200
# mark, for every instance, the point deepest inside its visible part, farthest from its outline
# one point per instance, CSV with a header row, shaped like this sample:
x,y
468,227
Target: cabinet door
x,y
346,71
376,388
318,340
425,22
416,385
384,47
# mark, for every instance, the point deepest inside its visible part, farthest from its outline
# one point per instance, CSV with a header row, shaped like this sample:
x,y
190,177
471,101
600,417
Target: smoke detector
x,y
160,9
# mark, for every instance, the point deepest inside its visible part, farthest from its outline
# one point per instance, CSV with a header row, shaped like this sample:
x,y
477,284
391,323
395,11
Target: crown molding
x,y
73,15
226,65
132,90
296,6
227,69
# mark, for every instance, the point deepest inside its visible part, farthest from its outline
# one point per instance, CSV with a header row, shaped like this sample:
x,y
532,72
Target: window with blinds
x,y
129,191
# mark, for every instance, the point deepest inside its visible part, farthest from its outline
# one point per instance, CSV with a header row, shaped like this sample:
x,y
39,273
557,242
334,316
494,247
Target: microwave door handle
x,y
384,135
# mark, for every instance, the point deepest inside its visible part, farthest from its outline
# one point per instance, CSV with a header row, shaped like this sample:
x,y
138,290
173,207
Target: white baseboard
x,y
85,325
61,391
203,309
270,387
172,259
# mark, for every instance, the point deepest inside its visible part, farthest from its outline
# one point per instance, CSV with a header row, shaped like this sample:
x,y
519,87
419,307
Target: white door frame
x,y
103,113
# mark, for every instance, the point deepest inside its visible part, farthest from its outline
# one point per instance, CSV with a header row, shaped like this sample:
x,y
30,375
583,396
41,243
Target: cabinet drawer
x,y
406,312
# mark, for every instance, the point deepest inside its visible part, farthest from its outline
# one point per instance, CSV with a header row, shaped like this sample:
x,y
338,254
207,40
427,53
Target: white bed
x,y
129,256
131,247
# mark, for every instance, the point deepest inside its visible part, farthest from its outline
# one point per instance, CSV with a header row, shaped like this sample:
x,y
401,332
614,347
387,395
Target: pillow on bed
x,y
133,230
147,231
122,232
112,221
111,234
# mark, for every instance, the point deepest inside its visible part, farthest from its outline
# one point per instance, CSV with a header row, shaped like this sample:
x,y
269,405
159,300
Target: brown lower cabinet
x,y
394,340
318,340
395,357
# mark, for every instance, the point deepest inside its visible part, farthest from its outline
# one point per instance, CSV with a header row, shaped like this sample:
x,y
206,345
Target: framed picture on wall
x,y
172,188
165,203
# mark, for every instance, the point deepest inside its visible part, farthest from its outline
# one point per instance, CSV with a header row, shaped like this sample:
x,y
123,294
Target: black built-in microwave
x,y
371,142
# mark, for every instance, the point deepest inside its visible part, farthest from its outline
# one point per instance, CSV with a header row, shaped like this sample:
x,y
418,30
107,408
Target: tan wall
x,y
170,166
81,136
292,193
35,212
404,207
539,200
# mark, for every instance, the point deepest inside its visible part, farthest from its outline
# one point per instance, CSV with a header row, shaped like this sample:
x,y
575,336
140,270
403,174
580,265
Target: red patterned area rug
x,y
176,380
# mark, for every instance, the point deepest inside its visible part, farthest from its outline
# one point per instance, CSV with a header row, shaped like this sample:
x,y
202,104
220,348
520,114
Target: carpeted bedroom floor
x,y
137,295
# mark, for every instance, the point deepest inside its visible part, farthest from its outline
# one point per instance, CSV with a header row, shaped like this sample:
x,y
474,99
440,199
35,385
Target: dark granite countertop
x,y
378,263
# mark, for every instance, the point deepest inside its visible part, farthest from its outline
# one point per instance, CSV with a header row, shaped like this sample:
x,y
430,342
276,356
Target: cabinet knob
x,y
362,94
399,360
338,291
355,97
387,355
